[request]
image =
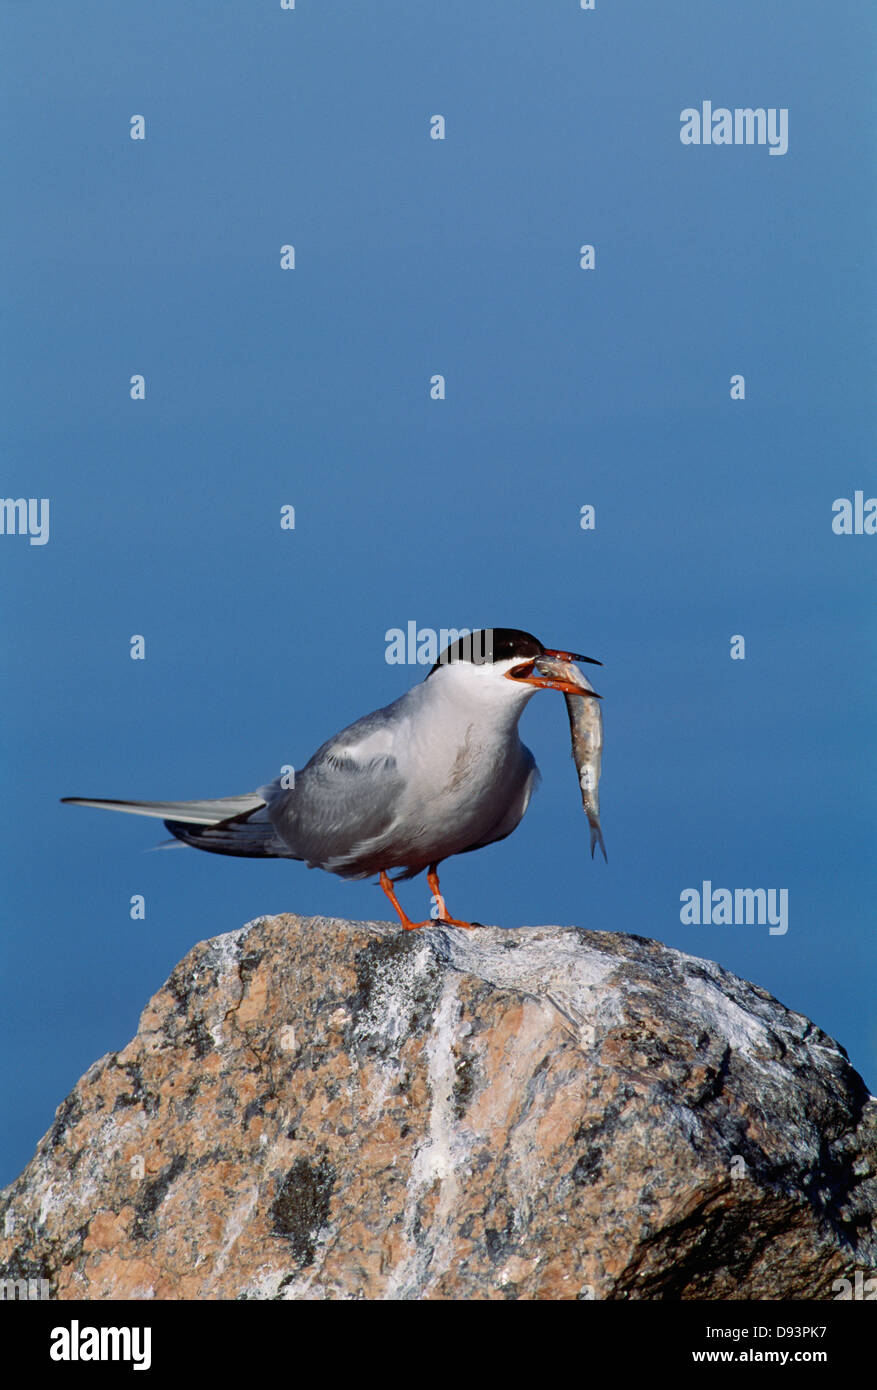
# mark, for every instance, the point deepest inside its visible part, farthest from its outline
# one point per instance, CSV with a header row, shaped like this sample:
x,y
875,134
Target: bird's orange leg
x,y
407,924
443,914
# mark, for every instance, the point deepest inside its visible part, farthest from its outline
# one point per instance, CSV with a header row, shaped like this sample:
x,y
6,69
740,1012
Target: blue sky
x,y
311,387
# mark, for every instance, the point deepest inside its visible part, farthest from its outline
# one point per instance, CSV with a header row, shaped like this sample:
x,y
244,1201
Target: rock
x,y
317,1109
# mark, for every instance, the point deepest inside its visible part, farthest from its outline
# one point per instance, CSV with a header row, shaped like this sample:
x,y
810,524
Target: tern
x,y
440,771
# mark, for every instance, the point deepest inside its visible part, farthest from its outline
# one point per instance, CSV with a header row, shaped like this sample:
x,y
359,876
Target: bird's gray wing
x,y
344,801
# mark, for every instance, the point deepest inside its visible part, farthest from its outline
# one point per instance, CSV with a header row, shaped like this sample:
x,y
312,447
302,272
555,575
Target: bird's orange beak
x,y
572,656
544,683
522,675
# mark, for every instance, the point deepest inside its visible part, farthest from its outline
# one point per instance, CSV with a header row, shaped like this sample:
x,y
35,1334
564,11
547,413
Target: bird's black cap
x,y
491,644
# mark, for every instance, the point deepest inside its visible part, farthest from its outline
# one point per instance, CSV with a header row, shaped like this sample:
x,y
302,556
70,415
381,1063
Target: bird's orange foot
x,y
438,898
407,924
442,917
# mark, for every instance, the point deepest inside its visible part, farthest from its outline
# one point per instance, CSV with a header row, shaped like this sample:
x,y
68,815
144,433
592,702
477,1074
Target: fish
x,y
586,733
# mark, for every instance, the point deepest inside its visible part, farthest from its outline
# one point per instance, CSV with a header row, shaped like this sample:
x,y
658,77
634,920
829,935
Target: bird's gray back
x,y
345,798
412,783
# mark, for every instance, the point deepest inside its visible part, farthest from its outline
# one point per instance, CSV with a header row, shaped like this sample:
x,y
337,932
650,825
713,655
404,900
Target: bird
x,y
440,771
